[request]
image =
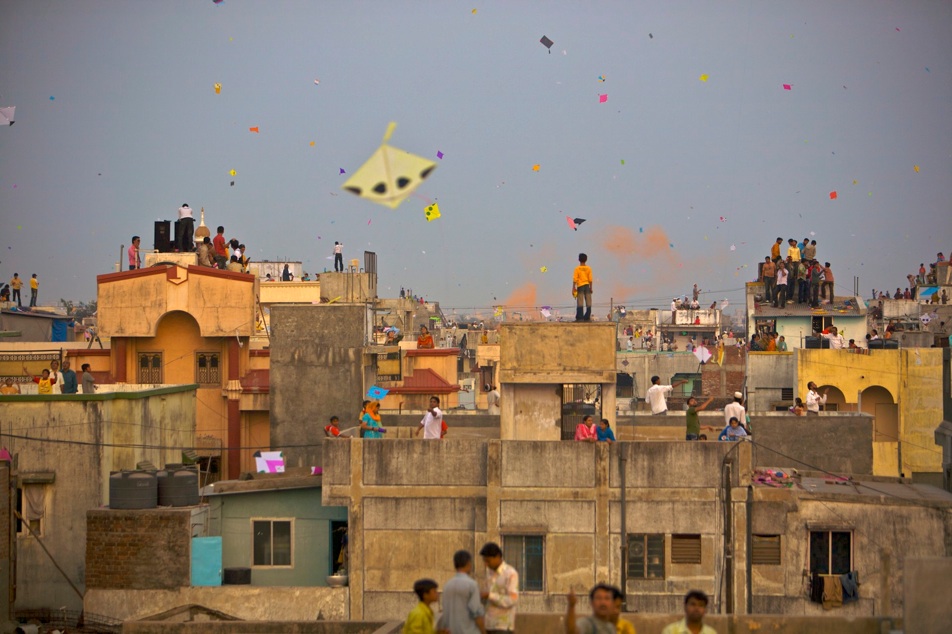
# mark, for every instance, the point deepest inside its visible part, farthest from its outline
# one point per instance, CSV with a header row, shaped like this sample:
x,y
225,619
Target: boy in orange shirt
x,y
582,288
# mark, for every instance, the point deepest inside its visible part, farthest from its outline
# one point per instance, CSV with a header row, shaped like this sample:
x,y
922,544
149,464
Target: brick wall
x,y
138,549
721,381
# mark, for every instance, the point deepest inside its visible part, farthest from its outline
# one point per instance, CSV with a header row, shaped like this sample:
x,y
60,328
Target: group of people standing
x,y
12,292
54,380
468,606
800,272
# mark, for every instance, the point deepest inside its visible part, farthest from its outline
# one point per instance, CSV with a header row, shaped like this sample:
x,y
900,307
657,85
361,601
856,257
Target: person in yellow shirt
x,y
34,289
793,251
44,382
9,387
622,625
582,288
16,284
420,620
775,249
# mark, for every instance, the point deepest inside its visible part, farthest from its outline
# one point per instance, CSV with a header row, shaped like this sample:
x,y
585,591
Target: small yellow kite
x,y
432,212
389,175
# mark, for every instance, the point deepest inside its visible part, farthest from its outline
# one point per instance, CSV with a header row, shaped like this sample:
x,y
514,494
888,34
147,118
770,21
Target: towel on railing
x,y
850,583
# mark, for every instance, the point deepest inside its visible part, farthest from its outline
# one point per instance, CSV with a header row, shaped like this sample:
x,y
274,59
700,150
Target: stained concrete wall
x,y
725,624
163,417
841,443
928,595
413,503
262,627
316,373
767,375
251,603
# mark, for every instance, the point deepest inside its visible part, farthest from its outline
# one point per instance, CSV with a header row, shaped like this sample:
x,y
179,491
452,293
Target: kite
x,y
574,222
432,212
916,167
543,269
601,78
536,167
217,89
787,86
376,393
703,77
389,175
6,115
254,129
546,42
439,155
703,354
603,98
833,195
233,173
546,311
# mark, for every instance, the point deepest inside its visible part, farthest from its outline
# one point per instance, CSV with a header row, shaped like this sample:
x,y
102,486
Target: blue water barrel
x,y
133,490
178,486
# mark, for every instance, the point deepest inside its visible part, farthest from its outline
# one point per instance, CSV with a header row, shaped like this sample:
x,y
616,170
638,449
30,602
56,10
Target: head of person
x,y
811,385
695,606
54,365
66,365
185,205
434,401
813,243
602,598
587,421
206,240
604,424
34,276
798,401
792,242
734,422
827,265
16,275
373,406
8,382
424,330
875,332
363,406
834,329
486,388
463,561
334,421
738,397
234,258
221,230
767,258
492,554
655,380
779,240
136,240
336,243
426,590
692,402
46,373
780,338
85,367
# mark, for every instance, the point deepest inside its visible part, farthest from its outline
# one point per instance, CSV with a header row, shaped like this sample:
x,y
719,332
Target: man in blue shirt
x,y
70,384
462,607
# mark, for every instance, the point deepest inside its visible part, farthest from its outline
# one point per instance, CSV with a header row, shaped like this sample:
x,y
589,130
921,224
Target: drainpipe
x,y
728,540
623,465
748,558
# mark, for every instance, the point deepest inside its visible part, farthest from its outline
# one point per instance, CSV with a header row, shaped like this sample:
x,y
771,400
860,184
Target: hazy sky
x,y
118,124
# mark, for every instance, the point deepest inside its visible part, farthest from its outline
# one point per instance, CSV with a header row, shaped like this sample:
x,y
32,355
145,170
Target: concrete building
x,y
190,324
64,448
900,388
550,374
655,518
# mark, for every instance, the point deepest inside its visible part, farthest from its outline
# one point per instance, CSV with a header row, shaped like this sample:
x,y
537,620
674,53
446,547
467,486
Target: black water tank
x,y
178,486
133,490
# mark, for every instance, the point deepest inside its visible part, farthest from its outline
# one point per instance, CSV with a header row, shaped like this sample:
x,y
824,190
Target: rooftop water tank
x,y
133,490
178,486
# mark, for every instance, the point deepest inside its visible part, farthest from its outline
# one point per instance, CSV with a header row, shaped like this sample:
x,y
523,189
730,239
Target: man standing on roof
x,y
186,228
582,288
432,423
135,261
656,395
814,399
735,409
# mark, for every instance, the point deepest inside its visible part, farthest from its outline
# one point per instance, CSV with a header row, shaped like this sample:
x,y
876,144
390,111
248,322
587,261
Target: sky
x,y
697,160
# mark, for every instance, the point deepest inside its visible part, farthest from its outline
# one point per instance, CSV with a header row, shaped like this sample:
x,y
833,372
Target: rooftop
x,y
842,306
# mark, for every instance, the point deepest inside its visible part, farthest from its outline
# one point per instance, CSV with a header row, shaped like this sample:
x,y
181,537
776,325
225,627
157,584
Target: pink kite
x,y
788,86
603,98
571,222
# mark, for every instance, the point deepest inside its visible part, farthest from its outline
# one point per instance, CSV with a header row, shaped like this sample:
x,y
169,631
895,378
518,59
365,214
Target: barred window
x,y
645,556
150,367
207,368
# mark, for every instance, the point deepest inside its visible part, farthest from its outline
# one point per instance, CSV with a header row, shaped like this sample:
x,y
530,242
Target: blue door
x,y
206,561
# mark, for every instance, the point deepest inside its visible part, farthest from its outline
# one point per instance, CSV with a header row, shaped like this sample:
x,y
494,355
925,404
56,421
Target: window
x,y
765,550
831,552
645,556
150,367
272,542
578,401
31,505
685,549
526,553
207,368
691,388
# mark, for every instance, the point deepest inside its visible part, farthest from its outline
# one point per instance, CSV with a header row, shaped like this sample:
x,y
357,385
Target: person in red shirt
x,y
333,430
221,252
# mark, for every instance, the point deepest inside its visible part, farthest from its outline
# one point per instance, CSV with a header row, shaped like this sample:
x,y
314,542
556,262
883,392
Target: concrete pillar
x,y
7,545
602,501
119,354
355,528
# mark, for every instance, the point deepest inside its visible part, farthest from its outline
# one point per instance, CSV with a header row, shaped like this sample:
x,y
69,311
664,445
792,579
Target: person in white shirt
x,y
735,409
836,340
492,399
432,423
814,399
657,393
338,257
186,229
55,373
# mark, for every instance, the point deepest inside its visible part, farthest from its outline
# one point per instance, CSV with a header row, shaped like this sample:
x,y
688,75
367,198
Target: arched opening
x,y
835,400
170,356
878,402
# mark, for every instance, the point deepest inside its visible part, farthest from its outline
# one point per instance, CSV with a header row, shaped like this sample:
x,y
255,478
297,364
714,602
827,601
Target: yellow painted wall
x,y
912,376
